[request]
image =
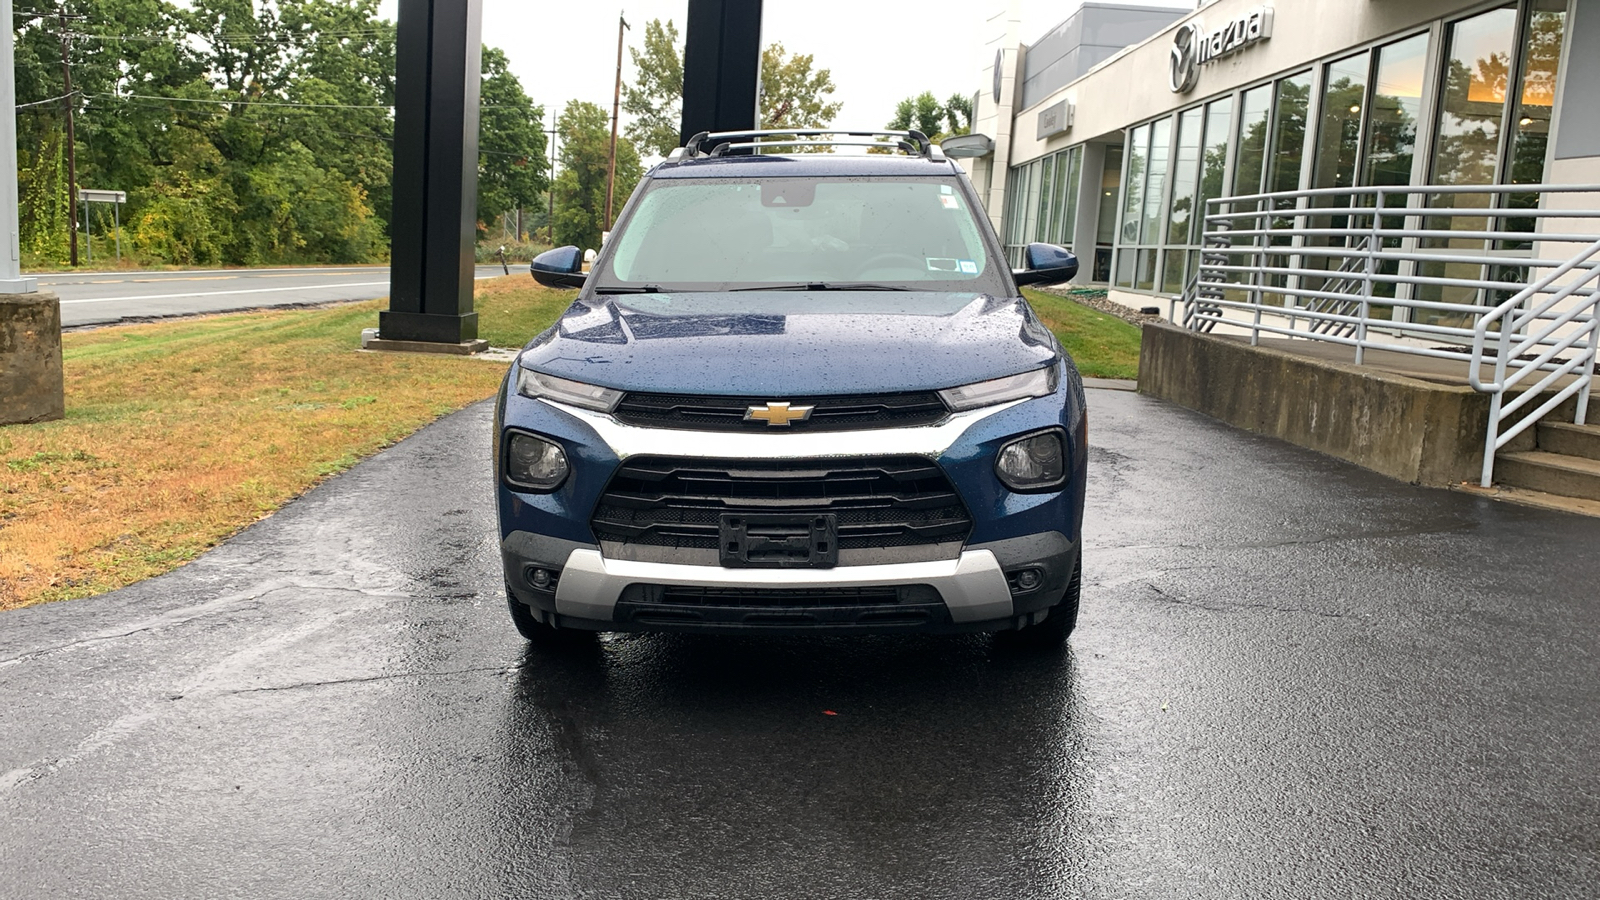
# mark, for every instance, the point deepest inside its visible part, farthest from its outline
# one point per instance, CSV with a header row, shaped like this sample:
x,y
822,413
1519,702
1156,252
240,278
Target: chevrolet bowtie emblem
x,y
775,414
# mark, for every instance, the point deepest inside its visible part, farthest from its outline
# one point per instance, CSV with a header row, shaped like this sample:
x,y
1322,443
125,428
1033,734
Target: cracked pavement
x,y
1292,678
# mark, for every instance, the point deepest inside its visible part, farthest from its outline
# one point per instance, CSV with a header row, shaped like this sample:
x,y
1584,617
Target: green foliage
x,y
937,120
243,131
511,142
655,99
580,189
793,96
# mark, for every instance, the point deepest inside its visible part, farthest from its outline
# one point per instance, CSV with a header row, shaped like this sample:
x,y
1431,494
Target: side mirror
x,y
561,267
1047,264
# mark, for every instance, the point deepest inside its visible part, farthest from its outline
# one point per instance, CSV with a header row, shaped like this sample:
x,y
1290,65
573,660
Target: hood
x,y
800,343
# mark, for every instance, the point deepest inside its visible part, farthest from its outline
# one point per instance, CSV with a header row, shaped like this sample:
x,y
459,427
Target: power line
x,y
51,100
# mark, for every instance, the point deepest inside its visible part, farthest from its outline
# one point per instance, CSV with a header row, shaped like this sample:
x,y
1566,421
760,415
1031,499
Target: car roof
x,y
781,165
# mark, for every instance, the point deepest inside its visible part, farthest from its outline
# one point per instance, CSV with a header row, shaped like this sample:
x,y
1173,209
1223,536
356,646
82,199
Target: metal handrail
x,y
1529,276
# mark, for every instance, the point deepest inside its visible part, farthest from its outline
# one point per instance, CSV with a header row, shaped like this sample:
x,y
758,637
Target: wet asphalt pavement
x,y
1292,678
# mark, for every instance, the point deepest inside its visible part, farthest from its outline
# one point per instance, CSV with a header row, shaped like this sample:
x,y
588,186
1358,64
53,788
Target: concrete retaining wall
x,y
1416,431
30,358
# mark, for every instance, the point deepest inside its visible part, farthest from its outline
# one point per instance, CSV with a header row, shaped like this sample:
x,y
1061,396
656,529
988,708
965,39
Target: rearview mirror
x,y
967,146
1047,264
561,267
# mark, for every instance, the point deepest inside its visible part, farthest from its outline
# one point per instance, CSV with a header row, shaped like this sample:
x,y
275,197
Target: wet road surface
x,y
1292,678
103,298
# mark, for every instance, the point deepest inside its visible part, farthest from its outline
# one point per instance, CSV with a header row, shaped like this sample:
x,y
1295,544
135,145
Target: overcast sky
x,y
878,52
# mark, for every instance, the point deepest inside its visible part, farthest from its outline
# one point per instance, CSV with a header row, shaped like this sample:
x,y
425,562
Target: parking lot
x,y
1291,678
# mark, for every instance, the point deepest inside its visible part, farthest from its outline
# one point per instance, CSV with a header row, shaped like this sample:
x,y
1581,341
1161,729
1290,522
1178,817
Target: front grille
x,y
838,413
878,502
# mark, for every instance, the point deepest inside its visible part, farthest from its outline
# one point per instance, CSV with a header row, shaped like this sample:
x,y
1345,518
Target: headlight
x,y
534,463
1038,383
589,396
1034,463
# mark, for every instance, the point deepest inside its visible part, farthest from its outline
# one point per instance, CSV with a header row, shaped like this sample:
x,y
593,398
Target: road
x,y
101,298
1292,678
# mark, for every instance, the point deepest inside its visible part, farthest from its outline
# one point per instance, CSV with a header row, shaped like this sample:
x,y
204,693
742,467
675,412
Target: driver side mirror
x,y
561,267
1047,264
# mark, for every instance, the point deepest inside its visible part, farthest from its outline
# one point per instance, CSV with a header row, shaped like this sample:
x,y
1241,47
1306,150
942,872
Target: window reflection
x,y
1344,102
1396,105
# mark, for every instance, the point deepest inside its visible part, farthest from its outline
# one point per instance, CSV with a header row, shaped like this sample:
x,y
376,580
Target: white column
x,y
11,280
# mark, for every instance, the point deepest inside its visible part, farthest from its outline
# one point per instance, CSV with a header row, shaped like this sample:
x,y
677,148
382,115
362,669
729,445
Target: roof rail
x,y
914,143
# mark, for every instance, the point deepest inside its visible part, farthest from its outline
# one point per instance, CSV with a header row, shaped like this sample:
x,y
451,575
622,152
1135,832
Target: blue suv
x,y
798,392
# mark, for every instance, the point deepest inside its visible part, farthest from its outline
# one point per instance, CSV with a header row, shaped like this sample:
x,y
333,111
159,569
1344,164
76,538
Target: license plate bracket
x,y
773,541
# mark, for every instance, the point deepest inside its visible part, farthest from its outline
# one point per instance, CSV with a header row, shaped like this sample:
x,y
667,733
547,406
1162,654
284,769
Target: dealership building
x,y
1372,225
1112,130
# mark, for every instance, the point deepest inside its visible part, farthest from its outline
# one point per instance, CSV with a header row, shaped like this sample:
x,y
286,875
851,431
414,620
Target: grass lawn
x,y
178,434
1103,346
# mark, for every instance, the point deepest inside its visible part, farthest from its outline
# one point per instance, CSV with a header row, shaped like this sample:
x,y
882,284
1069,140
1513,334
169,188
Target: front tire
x,y
1053,632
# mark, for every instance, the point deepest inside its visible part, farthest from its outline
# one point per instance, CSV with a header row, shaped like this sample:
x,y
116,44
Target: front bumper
x,y
970,587
972,592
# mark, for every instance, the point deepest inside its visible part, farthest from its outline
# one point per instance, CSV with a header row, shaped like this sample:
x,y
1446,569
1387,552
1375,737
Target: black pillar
x,y
434,226
721,66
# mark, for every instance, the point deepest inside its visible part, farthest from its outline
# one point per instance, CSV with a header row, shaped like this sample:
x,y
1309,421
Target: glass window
x,y
1394,109
1252,153
1185,175
1046,193
1105,225
1477,65
1030,214
1073,164
1291,102
1155,187
1344,100
1016,205
1213,163
717,233
1531,120
1133,177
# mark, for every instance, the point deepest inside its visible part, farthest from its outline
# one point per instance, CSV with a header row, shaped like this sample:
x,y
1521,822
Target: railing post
x,y
1373,242
1594,338
1260,261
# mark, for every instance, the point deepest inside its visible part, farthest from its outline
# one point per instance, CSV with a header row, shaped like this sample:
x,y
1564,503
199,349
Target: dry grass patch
x,y
179,434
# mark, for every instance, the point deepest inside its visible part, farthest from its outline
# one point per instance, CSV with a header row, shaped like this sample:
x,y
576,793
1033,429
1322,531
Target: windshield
x,y
720,234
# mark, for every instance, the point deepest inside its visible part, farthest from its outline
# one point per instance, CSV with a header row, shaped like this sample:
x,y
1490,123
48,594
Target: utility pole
x,y
11,280
72,138
616,103
550,179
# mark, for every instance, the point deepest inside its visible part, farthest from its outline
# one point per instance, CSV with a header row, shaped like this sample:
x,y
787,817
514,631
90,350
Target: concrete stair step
x,y
1538,499
1550,473
1568,439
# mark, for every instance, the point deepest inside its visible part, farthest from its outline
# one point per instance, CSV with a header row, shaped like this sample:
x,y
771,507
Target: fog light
x,y
1028,579
541,578
534,463
1034,463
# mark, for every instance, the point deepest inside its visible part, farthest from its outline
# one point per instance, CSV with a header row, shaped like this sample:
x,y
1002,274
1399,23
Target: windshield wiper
x,y
629,289
823,286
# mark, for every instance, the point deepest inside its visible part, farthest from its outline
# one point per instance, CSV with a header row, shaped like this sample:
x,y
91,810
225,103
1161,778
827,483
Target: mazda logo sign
x,y
1185,61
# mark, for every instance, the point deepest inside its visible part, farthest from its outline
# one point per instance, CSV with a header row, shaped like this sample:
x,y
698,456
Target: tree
x,y
580,189
655,99
792,96
958,110
511,141
937,120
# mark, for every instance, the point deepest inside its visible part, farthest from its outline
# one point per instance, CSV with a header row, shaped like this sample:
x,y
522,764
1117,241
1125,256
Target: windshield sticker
x,y
942,265
945,189
968,267
948,201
